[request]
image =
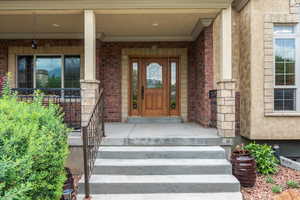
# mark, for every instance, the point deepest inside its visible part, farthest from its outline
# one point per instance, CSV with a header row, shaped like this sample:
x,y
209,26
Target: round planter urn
x,y
244,167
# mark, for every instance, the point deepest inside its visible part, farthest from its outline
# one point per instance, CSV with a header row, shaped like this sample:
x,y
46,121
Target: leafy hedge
x,y
33,150
264,156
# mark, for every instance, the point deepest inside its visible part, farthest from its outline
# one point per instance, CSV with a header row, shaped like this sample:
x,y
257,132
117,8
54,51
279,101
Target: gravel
x,y
263,190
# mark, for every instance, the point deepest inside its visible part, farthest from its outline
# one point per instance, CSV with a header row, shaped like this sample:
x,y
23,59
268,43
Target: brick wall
x,y
109,71
201,78
200,72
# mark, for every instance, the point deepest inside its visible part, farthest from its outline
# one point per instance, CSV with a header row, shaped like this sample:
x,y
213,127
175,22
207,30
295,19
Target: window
x,y
286,68
48,71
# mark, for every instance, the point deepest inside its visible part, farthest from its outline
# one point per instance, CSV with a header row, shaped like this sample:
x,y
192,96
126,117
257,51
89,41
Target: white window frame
x,y
296,37
62,56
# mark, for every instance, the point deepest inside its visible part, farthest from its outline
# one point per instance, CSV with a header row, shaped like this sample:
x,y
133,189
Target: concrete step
x,y
124,184
161,141
169,152
161,166
154,120
169,196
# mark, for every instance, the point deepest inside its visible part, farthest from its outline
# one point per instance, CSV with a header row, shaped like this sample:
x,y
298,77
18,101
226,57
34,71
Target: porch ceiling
x,y
111,25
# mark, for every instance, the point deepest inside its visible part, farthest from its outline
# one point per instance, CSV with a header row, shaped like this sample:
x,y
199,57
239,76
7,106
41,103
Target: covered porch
x,y
112,45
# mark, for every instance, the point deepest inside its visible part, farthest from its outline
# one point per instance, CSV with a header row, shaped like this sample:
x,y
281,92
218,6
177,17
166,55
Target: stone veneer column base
x,y
226,108
89,95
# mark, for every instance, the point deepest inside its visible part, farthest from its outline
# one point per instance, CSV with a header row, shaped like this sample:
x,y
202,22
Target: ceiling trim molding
x,y
147,39
43,35
108,4
201,24
238,5
100,36
211,11
197,29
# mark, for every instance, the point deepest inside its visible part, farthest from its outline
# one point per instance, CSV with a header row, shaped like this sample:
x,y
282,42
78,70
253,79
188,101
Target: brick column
x,y
226,108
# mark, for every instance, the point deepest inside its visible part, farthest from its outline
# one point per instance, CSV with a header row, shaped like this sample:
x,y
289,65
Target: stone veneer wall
x,y
245,70
201,75
226,102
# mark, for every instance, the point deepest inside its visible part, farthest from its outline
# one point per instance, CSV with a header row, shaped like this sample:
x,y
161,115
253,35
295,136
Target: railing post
x,y
85,162
102,115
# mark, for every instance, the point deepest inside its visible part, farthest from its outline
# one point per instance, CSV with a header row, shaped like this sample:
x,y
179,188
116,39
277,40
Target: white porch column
x,y
89,86
226,44
89,45
226,85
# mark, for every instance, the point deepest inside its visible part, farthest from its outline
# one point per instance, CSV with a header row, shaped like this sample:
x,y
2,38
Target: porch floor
x,y
158,130
159,134
154,134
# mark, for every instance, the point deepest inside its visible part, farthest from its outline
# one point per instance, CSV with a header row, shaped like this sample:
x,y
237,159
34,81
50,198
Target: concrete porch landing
x,y
153,134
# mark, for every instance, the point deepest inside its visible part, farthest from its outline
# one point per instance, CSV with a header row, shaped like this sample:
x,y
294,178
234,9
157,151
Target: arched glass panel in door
x,y
154,76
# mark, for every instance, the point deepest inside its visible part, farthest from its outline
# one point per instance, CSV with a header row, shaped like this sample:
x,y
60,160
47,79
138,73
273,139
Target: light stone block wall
x,y
160,52
89,96
226,108
61,50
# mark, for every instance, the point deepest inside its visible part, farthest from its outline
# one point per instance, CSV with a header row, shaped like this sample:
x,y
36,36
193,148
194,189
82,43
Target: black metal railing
x,y
92,134
69,99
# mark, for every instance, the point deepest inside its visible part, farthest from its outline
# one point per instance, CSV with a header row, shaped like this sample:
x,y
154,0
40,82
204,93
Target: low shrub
x,y
33,150
277,189
266,162
270,180
292,184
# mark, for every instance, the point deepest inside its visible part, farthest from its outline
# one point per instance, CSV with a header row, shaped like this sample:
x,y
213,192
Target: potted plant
x,y
243,166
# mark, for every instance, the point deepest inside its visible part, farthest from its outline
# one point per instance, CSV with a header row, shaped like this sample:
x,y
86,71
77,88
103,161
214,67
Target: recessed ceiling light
x,y
155,24
56,25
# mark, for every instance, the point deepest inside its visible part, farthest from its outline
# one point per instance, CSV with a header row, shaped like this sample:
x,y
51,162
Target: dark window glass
x,y
285,62
25,71
48,71
72,72
173,94
134,85
285,99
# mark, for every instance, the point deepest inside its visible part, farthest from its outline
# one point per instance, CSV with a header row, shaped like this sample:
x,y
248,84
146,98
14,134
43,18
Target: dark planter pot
x,y
244,168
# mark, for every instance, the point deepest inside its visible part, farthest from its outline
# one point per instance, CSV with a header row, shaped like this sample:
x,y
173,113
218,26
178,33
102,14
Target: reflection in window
x,y
154,76
134,85
173,95
48,71
285,99
284,29
72,72
285,62
25,71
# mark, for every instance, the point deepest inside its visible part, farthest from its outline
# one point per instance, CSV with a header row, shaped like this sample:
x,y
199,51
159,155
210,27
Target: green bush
x,y
292,184
277,189
270,180
266,162
33,150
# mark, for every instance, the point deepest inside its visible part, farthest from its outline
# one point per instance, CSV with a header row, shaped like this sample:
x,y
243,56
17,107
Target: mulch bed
x,y
263,190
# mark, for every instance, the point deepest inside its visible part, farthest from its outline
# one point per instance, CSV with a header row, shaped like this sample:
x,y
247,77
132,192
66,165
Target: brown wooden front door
x,y
154,87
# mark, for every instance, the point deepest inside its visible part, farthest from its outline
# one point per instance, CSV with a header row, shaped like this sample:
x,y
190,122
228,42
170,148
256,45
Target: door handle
x,y
143,92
